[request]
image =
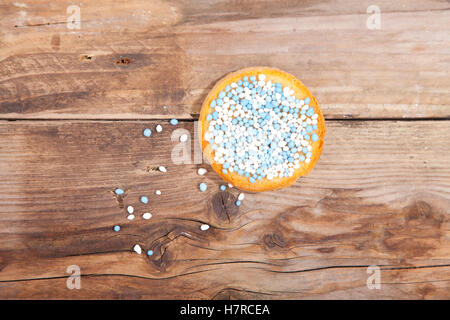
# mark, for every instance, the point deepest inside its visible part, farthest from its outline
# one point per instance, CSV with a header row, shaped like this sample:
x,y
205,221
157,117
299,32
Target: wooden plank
x,y
338,283
380,195
174,52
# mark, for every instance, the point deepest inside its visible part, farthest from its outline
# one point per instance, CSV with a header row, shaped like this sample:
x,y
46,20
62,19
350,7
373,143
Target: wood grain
x,y
157,59
380,195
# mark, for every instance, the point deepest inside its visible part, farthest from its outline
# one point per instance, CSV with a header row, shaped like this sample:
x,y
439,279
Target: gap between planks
x,y
196,119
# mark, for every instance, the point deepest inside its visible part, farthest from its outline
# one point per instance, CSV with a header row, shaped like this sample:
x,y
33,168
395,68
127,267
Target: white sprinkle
x,y
147,215
137,248
201,171
204,227
130,209
262,77
130,217
230,185
183,138
158,192
241,196
158,128
162,169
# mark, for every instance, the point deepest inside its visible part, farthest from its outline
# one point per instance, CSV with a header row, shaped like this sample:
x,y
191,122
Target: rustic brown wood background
x,y
74,102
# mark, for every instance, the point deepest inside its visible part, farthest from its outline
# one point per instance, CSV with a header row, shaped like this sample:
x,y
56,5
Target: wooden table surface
x,y
74,102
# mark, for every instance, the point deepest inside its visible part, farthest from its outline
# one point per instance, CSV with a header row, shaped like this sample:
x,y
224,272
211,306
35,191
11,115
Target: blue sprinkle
x,y
118,191
209,117
307,100
116,228
173,122
228,88
150,252
238,203
252,180
223,187
225,171
302,158
309,155
315,137
147,132
221,94
203,187
213,104
144,199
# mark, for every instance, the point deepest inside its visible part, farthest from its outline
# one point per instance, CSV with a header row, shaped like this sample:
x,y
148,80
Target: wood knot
x,y
162,258
419,235
422,213
274,240
152,169
86,58
123,61
224,205
326,250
